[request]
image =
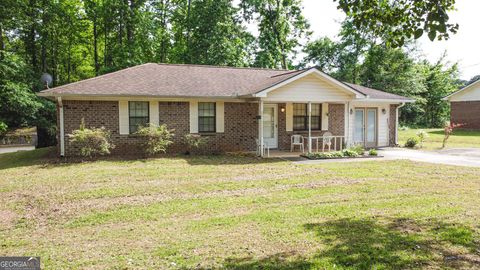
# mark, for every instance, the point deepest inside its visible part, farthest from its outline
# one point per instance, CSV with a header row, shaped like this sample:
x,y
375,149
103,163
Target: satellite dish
x,y
46,79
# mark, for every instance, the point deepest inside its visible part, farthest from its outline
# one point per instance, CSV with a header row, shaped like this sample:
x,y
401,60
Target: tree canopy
x,y
78,39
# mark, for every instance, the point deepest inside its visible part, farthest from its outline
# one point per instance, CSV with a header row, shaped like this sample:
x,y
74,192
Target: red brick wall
x,y
336,125
467,113
240,125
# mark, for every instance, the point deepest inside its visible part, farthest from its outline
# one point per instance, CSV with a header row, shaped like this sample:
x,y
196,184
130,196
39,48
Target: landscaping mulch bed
x,y
325,158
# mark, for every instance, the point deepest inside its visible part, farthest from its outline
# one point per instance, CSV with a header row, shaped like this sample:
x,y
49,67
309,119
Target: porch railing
x,y
328,142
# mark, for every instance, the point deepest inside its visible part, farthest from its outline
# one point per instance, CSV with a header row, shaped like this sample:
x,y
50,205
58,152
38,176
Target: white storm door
x,y
270,130
371,127
359,128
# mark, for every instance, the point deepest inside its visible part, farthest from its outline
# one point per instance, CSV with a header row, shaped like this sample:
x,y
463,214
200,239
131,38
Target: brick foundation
x,y
466,113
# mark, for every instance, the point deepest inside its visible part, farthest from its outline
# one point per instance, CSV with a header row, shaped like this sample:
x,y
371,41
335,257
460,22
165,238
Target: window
x,y
206,117
300,116
138,114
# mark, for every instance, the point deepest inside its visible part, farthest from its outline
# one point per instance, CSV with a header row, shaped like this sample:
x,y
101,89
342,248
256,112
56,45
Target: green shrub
x,y
422,136
3,128
157,138
373,152
325,155
91,142
195,142
359,149
350,153
412,142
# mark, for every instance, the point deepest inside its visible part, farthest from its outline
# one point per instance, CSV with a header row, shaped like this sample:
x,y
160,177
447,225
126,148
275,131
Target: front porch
x,y
324,127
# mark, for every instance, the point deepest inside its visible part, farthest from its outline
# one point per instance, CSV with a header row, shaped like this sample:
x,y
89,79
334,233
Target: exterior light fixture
x,y
351,111
384,111
282,109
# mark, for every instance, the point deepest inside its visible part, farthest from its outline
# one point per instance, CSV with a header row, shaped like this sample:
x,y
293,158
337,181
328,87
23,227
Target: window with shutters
x,y
206,117
138,115
300,116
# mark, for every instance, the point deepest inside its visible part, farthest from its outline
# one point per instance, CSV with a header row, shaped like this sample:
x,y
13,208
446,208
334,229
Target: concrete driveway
x,y
469,157
16,149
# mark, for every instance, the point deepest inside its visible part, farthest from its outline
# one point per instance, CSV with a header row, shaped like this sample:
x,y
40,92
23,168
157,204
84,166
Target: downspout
x,y
62,127
396,122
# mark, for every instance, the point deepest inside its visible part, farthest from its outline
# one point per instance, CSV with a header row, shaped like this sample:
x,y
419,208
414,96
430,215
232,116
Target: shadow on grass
x,y
458,133
47,157
370,244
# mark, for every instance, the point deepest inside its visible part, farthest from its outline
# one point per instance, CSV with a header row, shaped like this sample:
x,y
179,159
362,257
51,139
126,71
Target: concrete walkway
x,y
16,149
469,157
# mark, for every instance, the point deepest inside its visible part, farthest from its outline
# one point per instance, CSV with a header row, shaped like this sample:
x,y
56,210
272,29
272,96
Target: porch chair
x,y
297,140
327,140
265,147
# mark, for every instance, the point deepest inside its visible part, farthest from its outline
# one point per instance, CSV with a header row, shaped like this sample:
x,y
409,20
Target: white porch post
x,y
309,127
260,126
62,127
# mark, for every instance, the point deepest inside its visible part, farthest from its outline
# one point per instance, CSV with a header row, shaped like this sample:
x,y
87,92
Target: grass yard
x,y
238,213
459,139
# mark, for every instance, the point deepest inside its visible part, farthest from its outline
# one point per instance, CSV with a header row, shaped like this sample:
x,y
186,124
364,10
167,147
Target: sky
x,y
463,47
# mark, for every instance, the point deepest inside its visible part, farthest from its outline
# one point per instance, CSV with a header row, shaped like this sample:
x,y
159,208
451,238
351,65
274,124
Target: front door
x,y
270,130
365,129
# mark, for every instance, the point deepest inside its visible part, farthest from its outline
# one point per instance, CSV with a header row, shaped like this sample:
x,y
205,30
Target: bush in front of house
x,y
195,142
157,138
373,152
351,152
359,149
422,136
91,141
412,142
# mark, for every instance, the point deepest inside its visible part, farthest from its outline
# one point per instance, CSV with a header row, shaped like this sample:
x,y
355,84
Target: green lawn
x,y
238,213
459,139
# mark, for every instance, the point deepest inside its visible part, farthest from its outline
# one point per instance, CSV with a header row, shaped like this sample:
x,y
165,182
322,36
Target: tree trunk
x,y
188,31
44,39
95,49
2,44
30,46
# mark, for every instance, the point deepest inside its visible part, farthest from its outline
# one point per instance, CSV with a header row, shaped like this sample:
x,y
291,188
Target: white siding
x,y
382,122
220,116
123,117
309,88
470,94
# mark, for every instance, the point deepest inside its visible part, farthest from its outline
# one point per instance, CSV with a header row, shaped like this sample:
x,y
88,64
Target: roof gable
x,y
312,72
470,92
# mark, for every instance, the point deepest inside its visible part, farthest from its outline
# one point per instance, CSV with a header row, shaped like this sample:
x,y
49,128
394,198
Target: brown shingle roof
x,y
374,93
177,80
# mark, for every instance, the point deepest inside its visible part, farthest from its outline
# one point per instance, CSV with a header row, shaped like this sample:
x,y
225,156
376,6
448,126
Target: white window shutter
x,y
123,117
289,116
193,117
324,116
220,116
154,113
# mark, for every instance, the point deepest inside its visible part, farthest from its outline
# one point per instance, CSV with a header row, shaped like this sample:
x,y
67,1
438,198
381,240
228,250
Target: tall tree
x,y
281,25
401,20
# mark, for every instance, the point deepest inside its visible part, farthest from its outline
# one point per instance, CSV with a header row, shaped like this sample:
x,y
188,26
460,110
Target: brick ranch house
x,y
465,106
223,103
